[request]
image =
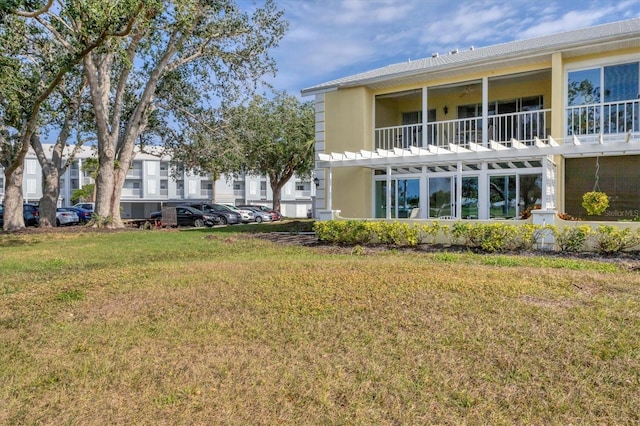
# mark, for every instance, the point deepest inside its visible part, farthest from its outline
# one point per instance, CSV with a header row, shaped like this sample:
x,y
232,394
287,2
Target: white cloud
x,y
329,39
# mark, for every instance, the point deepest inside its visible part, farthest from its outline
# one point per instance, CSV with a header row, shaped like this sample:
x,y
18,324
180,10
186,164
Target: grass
x,y
217,327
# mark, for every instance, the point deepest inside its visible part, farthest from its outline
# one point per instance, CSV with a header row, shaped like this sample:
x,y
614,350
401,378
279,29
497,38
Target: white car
x,y
245,215
66,217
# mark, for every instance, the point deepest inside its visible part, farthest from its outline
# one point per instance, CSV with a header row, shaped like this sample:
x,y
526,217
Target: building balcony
x,y
131,193
522,126
608,119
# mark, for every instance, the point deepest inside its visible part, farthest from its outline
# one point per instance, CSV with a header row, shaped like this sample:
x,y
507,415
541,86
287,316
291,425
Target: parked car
x,y
275,215
30,214
83,214
66,216
189,216
245,214
224,215
86,206
259,215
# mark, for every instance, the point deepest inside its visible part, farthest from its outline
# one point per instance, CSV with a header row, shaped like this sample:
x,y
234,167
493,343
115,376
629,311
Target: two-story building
x,y
488,132
152,182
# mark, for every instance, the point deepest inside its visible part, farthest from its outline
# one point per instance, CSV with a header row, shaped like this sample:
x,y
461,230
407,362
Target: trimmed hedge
x,y
487,237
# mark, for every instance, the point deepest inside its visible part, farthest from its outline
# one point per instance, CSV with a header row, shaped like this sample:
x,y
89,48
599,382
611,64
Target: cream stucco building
x,y
486,133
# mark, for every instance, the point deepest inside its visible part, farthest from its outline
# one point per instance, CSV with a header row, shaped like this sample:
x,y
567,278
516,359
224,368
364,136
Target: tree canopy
x,y
277,136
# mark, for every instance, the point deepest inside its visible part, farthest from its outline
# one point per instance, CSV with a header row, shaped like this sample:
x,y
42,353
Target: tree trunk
x,y
105,180
120,175
13,200
276,188
50,193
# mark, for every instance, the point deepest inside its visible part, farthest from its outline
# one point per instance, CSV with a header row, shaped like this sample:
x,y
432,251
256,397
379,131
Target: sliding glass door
x,y
404,197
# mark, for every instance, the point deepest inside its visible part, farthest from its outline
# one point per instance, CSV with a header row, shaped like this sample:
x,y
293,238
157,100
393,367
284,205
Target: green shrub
x,y
343,232
611,239
572,238
431,231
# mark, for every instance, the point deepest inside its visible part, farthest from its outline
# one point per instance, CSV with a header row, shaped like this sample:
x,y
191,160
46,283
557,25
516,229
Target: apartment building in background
x,y
152,182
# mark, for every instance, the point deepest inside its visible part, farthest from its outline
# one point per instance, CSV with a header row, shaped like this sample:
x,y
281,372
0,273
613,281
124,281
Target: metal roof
x,y
584,40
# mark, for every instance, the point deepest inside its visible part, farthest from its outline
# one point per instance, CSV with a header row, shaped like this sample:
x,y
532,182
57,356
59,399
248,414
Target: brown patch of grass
x,y
238,330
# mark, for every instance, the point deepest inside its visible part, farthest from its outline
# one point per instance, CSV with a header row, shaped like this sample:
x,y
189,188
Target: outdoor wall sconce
x,y
445,110
316,181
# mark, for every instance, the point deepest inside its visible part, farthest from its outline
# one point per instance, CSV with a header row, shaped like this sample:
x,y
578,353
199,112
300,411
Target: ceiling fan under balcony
x,y
466,90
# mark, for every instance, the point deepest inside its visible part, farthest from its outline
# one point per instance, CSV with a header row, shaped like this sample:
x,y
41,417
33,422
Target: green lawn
x,y
219,327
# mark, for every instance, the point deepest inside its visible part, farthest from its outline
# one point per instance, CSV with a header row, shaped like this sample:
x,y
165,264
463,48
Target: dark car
x,y
83,214
275,215
224,214
30,213
189,216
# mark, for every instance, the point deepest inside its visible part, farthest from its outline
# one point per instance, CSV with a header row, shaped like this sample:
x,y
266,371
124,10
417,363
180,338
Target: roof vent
x,y
435,55
453,52
472,48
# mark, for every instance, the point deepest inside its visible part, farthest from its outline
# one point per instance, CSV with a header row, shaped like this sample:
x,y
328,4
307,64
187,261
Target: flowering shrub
x,y
610,239
572,238
595,203
487,237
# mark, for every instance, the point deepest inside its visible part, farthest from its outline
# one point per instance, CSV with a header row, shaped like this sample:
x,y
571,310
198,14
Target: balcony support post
x,y
388,194
425,116
485,111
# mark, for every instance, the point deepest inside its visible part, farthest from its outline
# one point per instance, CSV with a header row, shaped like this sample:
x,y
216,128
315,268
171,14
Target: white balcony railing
x,y
523,126
132,192
608,118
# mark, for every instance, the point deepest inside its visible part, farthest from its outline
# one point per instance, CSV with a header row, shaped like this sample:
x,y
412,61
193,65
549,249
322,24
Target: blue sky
x,y
329,39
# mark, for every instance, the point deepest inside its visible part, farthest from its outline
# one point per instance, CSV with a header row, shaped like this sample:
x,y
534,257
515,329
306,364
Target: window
x,y
603,100
405,196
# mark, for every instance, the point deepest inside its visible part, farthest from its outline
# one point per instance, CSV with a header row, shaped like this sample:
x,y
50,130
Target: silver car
x,y
259,215
66,217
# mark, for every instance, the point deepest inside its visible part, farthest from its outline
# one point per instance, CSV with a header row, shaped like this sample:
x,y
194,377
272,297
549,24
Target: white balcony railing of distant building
x,y
303,194
238,193
132,192
206,193
134,174
522,126
607,119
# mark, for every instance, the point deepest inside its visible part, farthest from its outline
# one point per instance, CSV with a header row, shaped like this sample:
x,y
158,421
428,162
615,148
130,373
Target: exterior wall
x,y
351,129
355,199
349,123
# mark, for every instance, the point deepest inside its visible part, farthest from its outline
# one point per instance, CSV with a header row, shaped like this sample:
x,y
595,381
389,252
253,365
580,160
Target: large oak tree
x,y
212,47
40,44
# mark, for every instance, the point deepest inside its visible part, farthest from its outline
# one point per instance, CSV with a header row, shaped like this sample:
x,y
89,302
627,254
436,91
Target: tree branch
x,y
37,13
